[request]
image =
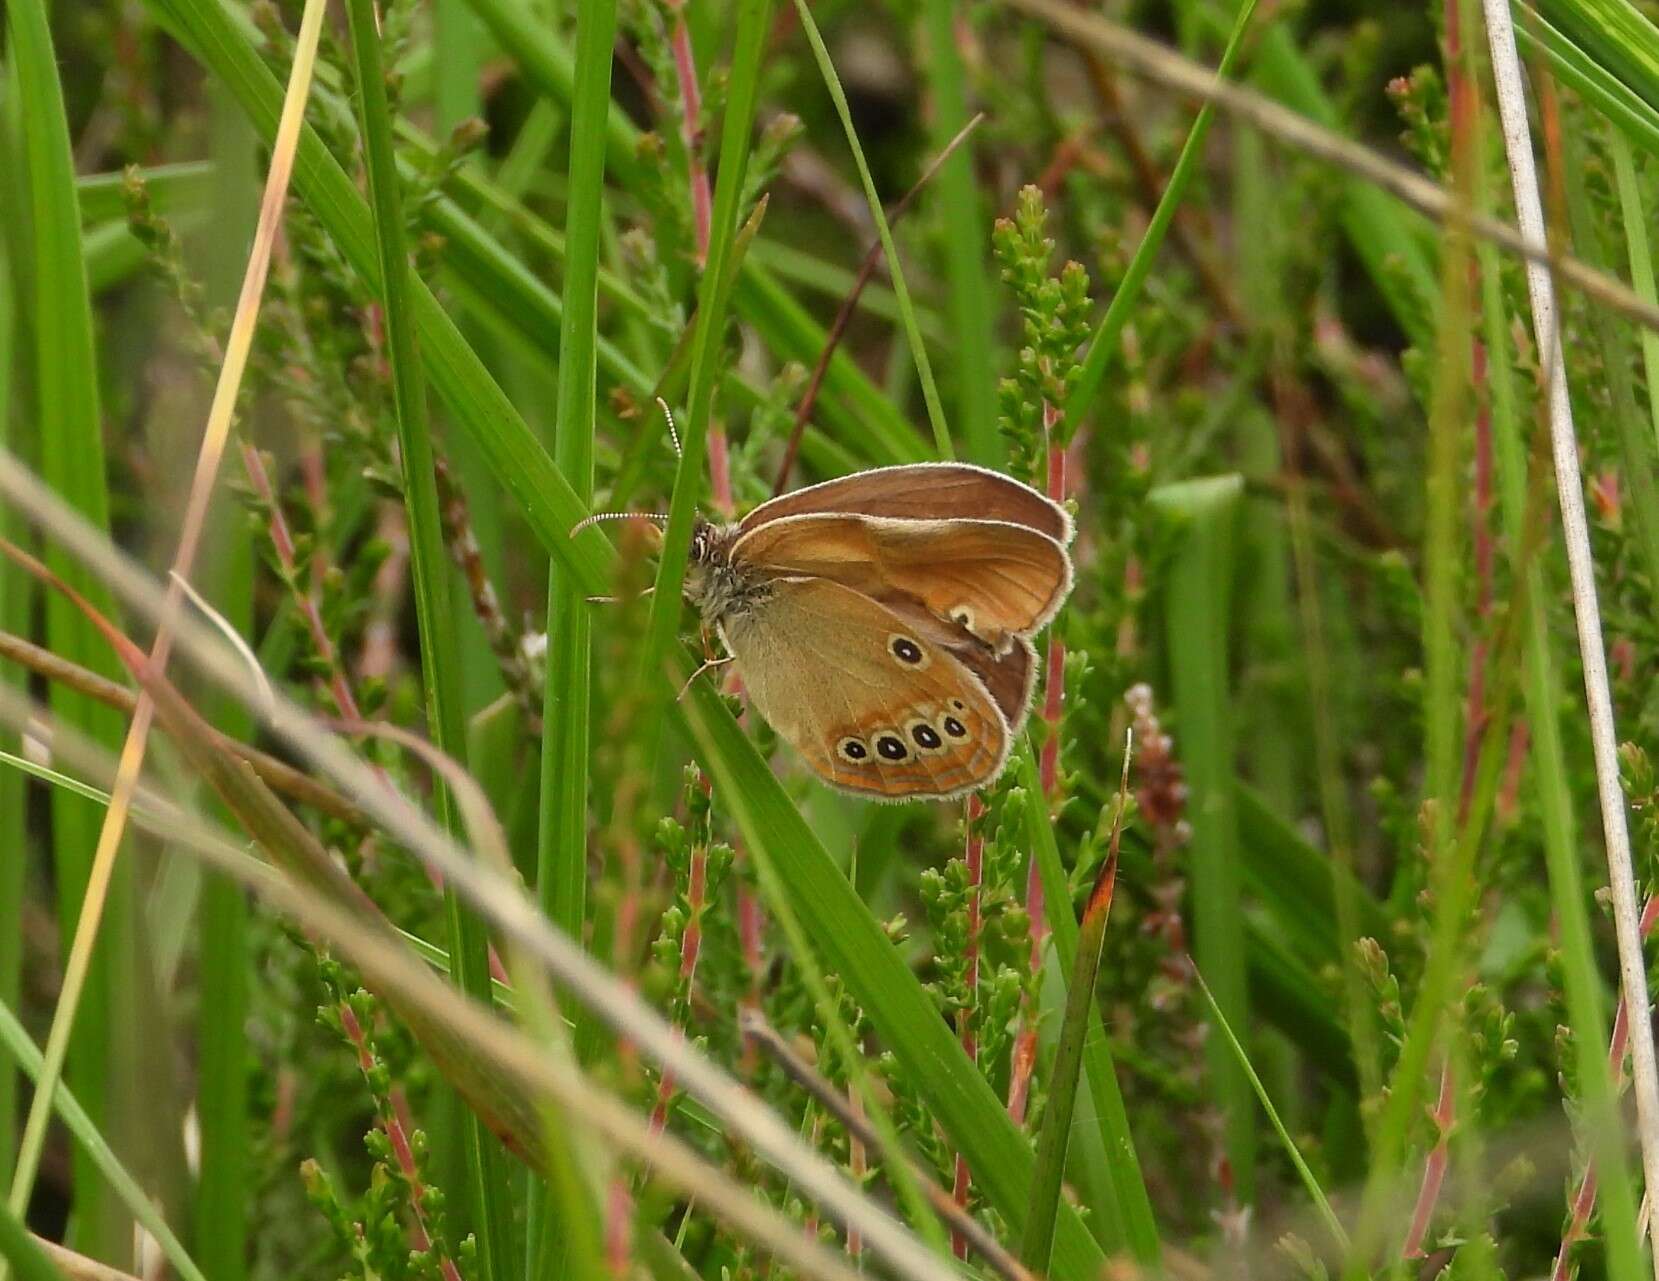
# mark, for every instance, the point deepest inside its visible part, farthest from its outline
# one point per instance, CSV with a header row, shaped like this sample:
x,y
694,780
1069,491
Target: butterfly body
x,y
881,622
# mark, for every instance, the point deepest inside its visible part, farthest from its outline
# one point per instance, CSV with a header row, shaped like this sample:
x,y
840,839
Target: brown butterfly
x,y
882,621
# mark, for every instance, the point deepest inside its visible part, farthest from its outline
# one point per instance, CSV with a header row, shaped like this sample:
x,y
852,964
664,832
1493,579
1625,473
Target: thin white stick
x,y
1569,487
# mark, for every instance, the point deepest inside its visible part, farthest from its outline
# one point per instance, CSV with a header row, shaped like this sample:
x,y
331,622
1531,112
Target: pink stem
x,y
1025,1041
691,134
1584,1201
1434,1169
402,1151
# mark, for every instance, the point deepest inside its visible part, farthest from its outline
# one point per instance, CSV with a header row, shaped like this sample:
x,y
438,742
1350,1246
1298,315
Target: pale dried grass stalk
x,y
1569,485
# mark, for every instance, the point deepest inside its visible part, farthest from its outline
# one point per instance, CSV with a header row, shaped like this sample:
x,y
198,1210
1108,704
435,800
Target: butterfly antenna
x,y
673,432
659,519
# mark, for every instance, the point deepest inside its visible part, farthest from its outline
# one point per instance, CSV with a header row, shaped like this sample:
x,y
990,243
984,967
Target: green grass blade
x,y
562,840
1205,514
895,268
230,186
27,1260
15,1043
488,1186
1641,258
1103,346
562,859
15,598
1133,1207
1315,1192
71,452
1635,117
1552,778
1635,440
1037,1239
1394,244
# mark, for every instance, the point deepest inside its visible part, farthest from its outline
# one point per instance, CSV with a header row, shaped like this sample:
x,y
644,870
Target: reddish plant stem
x,y
1434,1170
504,639
1479,715
1584,1200
282,540
619,1214
402,1151
691,132
1025,1040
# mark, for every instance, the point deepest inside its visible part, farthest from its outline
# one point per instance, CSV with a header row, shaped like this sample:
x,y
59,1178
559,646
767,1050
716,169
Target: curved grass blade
x,y
1317,1193
22,1051
19,1250
1133,1207
1037,1241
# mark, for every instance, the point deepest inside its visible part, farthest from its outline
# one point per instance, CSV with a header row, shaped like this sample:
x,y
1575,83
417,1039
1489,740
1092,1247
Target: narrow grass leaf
x,y
1037,1240
71,451
1133,1206
1338,1235
567,1218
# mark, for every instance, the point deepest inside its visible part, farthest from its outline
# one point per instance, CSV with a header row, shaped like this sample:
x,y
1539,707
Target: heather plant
x,y
387,892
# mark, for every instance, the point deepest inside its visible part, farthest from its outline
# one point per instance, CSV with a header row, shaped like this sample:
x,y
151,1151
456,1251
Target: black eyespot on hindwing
x,y
925,735
955,728
905,650
891,747
853,749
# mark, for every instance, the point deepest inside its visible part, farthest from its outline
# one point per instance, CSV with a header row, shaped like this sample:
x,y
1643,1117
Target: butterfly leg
x,y
617,600
707,666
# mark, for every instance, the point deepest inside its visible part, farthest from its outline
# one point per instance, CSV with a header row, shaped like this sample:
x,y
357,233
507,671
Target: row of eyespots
x,y
891,747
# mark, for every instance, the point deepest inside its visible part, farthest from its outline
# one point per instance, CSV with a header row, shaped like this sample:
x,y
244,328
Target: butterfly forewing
x,y
998,580
893,714
923,491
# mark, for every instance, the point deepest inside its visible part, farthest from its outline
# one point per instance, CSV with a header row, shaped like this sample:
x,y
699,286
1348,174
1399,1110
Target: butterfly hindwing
x,y
891,713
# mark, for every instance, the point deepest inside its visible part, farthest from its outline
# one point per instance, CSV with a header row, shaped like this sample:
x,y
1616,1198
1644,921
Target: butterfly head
x,y
714,582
